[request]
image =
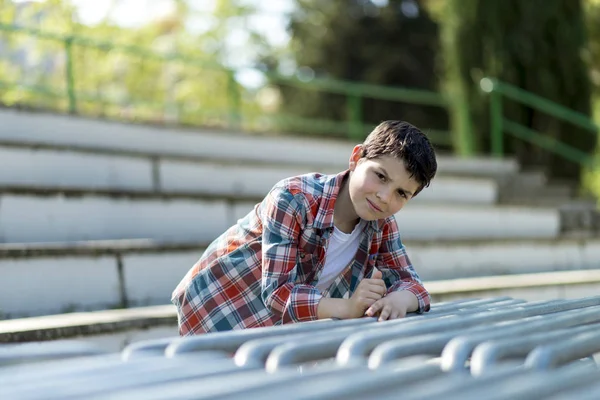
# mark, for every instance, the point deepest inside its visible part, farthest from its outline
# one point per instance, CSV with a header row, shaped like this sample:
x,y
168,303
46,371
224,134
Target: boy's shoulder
x,y
310,184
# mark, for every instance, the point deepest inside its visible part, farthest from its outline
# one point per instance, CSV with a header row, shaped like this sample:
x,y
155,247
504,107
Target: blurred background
x,y
307,68
133,132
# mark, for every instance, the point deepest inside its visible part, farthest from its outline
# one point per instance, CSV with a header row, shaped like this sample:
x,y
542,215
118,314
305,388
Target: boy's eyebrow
x,y
387,176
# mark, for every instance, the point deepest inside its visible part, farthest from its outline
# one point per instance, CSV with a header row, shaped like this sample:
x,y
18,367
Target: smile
x,y
373,206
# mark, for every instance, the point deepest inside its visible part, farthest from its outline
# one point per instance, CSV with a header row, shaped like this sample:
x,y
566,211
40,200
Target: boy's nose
x,y
383,195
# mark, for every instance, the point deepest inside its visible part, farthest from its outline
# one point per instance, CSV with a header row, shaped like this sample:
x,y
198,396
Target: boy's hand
x,y
368,292
394,305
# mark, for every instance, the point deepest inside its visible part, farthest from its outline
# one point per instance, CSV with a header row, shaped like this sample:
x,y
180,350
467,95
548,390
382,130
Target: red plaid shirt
x,y
263,270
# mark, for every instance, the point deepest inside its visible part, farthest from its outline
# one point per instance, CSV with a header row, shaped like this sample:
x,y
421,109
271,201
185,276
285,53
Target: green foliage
x,y
157,73
359,41
536,45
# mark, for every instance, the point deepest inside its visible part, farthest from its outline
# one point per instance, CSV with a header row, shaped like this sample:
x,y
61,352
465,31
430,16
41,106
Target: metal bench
x,y
496,348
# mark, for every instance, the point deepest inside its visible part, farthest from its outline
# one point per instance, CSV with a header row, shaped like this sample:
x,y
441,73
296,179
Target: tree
x,y
136,74
536,45
391,43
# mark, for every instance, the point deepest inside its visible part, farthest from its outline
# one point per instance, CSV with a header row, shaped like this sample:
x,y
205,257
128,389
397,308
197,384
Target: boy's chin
x,y
366,216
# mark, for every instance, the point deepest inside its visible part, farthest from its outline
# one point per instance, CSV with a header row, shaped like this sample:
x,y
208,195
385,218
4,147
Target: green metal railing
x,y
353,126
236,116
499,91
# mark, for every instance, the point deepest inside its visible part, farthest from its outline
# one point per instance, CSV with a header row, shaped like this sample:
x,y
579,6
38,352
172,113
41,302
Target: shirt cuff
x,y
419,291
302,305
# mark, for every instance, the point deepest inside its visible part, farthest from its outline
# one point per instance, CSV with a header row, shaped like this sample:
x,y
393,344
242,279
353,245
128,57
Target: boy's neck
x,y
344,216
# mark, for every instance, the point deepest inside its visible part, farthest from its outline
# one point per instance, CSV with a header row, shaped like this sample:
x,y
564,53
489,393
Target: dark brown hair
x,y
407,143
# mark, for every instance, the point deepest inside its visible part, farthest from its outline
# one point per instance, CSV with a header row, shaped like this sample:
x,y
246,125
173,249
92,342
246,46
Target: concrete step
x,y
438,222
38,215
531,178
530,287
87,276
68,169
139,323
554,194
21,128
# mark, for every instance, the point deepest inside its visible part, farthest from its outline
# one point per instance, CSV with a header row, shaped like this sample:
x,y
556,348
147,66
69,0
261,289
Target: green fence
x,y
499,91
238,112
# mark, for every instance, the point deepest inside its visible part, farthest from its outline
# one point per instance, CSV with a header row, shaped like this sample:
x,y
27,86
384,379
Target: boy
x,y
306,250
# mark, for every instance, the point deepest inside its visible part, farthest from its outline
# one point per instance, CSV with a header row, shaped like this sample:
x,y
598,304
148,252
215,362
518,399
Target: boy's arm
x,y
398,272
333,308
283,217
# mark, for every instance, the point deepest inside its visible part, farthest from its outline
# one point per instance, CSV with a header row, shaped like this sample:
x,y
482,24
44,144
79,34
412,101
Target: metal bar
x,y
235,105
412,96
583,392
404,360
354,116
328,345
365,384
147,348
232,340
323,345
432,344
231,385
104,45
553,355
70,75
496,117
255,352
122,376
460,348
358,346
548,106
444,385
486,355
549,143
534,385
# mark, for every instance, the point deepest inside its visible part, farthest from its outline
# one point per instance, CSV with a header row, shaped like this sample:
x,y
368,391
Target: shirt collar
x,y
331,189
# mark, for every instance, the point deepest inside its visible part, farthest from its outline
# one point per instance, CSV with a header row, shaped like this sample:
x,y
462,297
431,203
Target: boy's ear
x,y
356,155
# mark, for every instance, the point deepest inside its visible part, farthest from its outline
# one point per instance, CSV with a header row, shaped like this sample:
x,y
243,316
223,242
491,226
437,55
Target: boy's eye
x,y
402,193
380,176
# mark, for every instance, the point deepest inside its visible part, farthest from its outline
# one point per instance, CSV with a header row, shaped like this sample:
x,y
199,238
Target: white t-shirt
x,y
340,251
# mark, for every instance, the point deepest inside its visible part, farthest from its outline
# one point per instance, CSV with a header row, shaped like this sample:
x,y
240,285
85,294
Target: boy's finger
x,y
385,313
372,296
371,311
376,274
373,281
381,290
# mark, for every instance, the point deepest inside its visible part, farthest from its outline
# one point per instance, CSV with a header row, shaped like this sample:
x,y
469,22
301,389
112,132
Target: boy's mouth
x,y
373,206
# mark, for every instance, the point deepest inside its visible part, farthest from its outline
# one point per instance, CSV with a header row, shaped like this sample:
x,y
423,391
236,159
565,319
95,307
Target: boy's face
x,y
379,187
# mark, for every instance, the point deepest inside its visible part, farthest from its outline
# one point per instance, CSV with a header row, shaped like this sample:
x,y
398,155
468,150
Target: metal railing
x,y
235,115
354,126
491,348
499,91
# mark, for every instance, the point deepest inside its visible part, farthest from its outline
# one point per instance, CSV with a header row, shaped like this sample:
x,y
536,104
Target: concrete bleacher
x,y
99,275
113,215
52,173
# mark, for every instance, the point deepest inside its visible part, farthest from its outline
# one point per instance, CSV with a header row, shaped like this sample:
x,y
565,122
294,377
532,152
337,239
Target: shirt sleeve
x,y
283,217
396,268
